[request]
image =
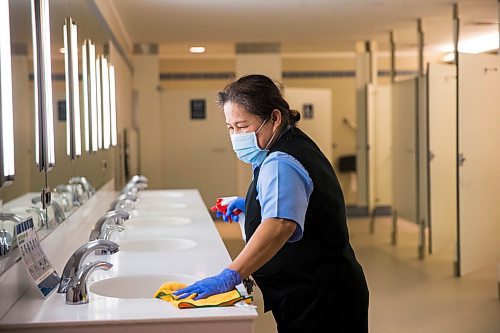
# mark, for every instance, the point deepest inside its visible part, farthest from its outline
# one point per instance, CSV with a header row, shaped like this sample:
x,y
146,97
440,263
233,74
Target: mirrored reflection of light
x,y
89,95
6,106
112,100
42,68
73,135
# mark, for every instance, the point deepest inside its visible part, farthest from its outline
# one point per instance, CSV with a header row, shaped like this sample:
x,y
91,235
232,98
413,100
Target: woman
x,y
297,247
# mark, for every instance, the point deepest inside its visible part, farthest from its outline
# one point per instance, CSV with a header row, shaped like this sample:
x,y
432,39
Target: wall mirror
x,y
22,197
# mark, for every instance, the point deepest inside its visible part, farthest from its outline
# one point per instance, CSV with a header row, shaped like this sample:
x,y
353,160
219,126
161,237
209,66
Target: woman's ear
x,y
276,118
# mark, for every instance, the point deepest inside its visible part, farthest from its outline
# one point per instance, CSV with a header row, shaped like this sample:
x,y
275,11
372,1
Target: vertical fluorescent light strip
x,y
67,76
98,100
106,115
93,97
89,95
73,135
36,84
48,83
86,94
6,107
76,92
112,99
43,84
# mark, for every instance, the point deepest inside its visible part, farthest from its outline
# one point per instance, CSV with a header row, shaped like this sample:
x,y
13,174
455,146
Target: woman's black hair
x,y
258,95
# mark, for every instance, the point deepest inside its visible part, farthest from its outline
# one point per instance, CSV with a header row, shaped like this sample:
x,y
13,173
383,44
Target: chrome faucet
x,y
136,183
76,199
11,217
115,216
109,229
87,187
75,262
123,201
7,240
138,179
77,292
59,214
133,188
41,215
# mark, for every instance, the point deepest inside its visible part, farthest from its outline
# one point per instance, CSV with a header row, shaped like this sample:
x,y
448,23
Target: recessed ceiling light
x,y
197,49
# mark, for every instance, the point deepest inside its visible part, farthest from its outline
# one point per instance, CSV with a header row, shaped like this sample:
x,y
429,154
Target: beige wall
x,y
342,91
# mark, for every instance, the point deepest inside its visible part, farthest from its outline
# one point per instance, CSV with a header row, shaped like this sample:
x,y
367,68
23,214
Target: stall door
x,y
404,149
479,147
443,155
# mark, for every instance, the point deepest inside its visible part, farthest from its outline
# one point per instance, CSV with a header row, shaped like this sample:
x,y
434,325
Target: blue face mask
x,y
247,149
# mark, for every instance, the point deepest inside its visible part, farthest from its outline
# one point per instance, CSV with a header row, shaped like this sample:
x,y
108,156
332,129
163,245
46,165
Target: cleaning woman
x,y
297,248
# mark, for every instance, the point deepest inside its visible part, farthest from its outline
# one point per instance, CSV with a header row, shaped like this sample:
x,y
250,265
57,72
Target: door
x,y
479,144
443,155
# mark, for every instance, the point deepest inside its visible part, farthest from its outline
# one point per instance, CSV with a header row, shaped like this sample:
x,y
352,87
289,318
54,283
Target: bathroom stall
x,y
409,162
479,161
441,87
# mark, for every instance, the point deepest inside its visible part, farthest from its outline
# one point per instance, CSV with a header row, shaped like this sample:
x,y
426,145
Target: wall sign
x,y
40,270
198,109
308,111
61,110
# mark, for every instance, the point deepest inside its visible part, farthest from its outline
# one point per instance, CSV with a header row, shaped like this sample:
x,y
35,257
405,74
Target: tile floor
x,y
407,294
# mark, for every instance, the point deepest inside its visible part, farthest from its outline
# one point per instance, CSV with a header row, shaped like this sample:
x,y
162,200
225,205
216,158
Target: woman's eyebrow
x,y
238,122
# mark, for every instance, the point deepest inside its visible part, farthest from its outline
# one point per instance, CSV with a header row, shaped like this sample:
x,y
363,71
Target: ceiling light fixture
x,y
197,49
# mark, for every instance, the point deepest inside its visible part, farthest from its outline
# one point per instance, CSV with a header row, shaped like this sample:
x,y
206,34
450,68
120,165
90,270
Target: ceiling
x,y
301,26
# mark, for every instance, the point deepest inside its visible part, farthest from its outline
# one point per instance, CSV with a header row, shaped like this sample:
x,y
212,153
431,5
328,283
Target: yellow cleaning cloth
x,y
225,299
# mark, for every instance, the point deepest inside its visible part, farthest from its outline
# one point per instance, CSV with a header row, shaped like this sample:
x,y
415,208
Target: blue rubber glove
x,y
238,203
225,281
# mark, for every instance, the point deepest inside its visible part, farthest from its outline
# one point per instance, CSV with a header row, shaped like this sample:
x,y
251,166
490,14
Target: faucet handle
x,y
77,292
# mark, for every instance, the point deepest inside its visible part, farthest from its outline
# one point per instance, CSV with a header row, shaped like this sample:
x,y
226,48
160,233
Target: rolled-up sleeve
x,y
283,190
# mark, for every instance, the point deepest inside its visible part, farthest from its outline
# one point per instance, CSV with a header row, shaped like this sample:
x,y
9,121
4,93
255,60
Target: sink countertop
x,y
207,258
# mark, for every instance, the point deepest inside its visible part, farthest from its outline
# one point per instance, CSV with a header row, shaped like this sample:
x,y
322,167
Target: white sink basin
x,y
160,195
136,286
147,222
155,245
160,204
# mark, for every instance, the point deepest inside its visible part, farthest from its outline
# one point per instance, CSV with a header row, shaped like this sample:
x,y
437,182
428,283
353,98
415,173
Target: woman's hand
x,y
236,204
225,281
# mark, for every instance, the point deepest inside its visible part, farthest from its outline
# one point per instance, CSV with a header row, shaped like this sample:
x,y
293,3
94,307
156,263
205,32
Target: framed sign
x,y
198,109
308,111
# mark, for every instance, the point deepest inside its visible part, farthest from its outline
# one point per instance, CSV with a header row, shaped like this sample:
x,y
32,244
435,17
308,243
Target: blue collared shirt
x,y
283,190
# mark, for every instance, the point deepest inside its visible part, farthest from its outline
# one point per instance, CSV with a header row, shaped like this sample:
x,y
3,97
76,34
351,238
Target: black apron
x,y
317,280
